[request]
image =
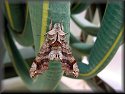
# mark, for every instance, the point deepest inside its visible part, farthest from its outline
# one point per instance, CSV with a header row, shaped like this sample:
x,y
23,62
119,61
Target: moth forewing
x,y
55,47
32,70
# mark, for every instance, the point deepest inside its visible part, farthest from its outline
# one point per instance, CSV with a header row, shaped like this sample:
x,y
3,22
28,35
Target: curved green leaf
x,y
73,39
19,22
40,14
83,48
19,64
79,6
85,25
50,80
108,41
15,14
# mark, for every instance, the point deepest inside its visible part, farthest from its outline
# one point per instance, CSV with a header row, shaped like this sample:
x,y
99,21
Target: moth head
x,y
57,26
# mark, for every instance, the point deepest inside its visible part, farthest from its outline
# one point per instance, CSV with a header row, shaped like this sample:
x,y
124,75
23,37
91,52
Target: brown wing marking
x,y
69,64
40,63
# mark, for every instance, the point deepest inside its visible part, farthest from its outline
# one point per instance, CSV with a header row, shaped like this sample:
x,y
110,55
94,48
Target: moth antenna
x,y
42,35
61,23
51,24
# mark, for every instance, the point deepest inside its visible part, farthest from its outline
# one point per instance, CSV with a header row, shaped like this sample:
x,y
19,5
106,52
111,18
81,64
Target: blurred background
x,y
92,30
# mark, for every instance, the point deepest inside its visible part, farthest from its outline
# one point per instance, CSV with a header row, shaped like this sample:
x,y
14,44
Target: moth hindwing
x,y
55,47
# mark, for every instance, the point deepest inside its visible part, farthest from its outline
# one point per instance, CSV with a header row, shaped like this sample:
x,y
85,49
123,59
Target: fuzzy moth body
x,y
55,47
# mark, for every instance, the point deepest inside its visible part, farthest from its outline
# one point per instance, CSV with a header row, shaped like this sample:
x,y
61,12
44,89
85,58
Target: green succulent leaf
x,y
19,22
73,39
109,38
32,23
20,65
83,48
41,13
79,6
85,25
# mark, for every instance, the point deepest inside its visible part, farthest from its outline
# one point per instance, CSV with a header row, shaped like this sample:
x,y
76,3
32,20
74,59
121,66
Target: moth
x,y
55,47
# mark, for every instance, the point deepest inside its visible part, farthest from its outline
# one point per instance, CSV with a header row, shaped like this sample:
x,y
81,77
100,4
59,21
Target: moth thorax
x,y
56,48
57,26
